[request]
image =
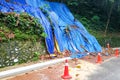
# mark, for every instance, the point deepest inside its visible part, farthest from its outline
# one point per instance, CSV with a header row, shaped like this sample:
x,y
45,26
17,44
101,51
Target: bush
x,y
23,26
112,40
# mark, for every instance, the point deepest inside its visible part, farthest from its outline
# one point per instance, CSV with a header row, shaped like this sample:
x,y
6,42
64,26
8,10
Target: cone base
x,y
116,56
99,62
66,77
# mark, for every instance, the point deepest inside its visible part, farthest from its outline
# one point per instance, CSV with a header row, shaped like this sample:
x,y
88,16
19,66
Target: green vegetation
x,y
20,27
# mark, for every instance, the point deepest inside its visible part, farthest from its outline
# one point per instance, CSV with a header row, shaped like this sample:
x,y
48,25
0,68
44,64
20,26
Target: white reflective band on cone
x,y
66,64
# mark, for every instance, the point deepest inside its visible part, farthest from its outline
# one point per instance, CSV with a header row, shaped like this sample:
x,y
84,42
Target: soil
x,y
79,69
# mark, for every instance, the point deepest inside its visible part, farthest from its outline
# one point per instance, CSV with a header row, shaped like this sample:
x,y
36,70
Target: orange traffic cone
x,y
99,59
66,71
116,52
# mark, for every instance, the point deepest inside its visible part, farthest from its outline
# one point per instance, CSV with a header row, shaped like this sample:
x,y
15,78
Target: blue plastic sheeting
x,y
18,1
68,31
77,36
78,55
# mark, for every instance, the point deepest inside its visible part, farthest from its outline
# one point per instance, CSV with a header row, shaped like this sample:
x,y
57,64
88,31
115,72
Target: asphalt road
x,y
110,70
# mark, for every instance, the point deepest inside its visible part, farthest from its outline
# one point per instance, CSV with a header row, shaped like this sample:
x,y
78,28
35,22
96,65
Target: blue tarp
x,y
58,22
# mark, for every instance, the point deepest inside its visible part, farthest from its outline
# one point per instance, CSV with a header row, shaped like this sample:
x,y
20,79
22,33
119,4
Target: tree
x,y
109,16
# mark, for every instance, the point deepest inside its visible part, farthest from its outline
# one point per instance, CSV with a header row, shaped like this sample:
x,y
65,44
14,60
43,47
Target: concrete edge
x,y
16,71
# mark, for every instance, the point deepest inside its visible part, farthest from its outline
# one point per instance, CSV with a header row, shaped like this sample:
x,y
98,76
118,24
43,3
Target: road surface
x,y
110,70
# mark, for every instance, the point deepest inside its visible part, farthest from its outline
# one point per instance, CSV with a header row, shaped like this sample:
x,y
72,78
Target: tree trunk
x,y
108,20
